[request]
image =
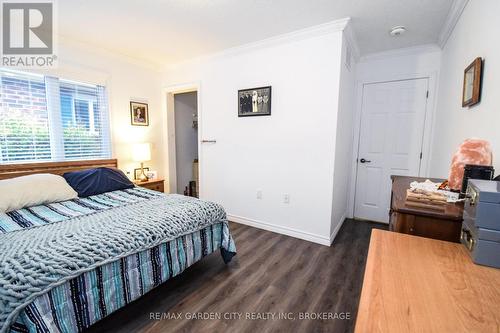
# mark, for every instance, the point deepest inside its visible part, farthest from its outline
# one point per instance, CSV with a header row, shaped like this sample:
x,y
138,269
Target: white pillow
x,y
32,190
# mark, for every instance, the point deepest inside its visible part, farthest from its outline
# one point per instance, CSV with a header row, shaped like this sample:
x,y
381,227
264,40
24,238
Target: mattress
x,y
94,294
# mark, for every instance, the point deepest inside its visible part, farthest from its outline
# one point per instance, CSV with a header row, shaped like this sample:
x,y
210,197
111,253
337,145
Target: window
x,y
51,119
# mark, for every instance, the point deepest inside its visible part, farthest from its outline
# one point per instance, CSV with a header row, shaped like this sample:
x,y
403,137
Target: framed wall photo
x,y
139,114
254,102
472,83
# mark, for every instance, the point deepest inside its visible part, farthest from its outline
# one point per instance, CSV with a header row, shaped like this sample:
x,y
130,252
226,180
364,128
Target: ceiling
x,y
164,32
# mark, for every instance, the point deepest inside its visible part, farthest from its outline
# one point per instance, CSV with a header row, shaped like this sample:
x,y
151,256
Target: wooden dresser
x,y
416,284
445,224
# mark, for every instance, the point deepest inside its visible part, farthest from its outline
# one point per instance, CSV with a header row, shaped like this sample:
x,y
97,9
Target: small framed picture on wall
x,y
139,114
254,102
472,83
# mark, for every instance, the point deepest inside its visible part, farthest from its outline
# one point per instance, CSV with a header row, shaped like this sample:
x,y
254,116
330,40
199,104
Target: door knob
x,y
364,161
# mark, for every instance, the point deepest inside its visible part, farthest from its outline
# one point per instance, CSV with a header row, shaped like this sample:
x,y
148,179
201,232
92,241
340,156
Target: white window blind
x,y
51,119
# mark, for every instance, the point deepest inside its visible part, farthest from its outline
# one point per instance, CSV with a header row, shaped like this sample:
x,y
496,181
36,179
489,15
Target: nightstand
x,y
443,224
155,184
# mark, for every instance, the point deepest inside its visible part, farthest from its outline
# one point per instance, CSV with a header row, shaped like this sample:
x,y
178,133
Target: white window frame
x,y
53,100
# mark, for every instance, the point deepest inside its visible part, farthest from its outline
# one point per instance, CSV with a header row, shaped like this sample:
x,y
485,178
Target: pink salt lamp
x,y
471,151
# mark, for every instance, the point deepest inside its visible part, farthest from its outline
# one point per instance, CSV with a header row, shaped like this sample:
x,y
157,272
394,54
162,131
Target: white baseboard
x,y
337,228
281,230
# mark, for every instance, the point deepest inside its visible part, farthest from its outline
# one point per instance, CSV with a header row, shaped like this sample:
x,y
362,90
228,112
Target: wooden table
x,y
443,224
416,284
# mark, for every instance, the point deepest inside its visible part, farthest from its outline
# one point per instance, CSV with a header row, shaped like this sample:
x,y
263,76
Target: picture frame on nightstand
x,y
137,172
152,175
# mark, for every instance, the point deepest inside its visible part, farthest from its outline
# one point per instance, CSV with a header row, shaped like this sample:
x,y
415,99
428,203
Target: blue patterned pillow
x,y
96,181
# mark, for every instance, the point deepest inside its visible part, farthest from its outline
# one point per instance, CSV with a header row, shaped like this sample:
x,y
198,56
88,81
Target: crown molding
x,y
456,11
352,41
310,32
426,48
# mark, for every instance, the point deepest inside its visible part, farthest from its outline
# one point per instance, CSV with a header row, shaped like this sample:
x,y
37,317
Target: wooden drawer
x,y
426,227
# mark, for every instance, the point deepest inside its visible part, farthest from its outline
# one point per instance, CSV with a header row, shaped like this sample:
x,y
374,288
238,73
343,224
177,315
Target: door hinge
x,y
427,94
420,155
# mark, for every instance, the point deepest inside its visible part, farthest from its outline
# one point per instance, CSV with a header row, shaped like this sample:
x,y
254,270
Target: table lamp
x,y
141,152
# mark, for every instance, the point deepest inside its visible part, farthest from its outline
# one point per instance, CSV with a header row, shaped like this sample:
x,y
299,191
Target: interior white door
x,y
390,142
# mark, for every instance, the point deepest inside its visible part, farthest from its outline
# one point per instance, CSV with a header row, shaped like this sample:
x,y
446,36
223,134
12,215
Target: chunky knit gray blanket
x,y
35,260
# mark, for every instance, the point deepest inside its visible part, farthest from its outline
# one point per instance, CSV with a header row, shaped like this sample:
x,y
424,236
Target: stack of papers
x,y
431,190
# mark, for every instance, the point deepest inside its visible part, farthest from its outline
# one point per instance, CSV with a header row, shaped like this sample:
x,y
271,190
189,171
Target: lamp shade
x,y
141,152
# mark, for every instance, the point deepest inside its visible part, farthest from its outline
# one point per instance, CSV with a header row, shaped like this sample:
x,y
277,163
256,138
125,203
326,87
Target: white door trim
x,y
432,76
168,126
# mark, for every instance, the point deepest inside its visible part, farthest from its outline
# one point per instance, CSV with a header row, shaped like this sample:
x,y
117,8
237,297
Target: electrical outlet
x,y
286,198
259,194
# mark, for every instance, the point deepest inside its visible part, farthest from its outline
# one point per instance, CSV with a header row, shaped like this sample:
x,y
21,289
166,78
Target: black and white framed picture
x,y
254,102
139,114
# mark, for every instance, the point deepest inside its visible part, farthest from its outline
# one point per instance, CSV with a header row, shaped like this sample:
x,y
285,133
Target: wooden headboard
x,y
58,168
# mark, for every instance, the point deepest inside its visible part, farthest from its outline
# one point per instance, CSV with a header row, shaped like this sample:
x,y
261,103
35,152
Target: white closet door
x,y
391,134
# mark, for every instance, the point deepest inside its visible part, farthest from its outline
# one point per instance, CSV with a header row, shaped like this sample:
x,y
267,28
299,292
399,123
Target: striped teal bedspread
x,y
83,300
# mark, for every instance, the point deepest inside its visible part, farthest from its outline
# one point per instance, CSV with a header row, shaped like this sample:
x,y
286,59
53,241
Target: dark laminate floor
x,y
272,273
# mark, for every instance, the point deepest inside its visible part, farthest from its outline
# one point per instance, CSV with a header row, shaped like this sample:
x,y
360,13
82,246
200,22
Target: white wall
x,y
291,151
343,166
399,64
475,35
186,138
126,80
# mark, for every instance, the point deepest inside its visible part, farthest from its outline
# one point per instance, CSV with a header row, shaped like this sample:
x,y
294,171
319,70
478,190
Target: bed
x,y
66,265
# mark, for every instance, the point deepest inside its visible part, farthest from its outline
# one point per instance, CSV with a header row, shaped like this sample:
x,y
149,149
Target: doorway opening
x,y
182,124
186,143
